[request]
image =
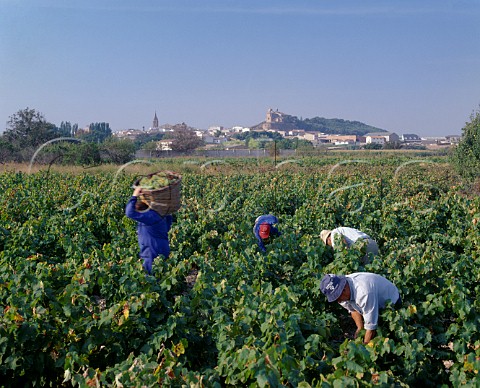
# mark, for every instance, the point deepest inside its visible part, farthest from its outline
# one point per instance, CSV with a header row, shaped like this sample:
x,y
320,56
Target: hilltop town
x,y
333,133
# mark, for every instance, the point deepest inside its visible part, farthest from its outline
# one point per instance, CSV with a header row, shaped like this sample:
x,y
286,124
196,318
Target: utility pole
x,y
275,152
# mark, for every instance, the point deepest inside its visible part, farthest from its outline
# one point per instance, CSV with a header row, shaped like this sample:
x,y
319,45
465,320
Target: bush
x,y
373,146
466,156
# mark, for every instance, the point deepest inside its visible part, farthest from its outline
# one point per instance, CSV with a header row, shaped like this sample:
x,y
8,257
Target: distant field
x,y
319,158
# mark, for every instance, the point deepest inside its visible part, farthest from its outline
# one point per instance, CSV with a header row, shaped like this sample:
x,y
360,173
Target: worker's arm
x,y
358,319
369,334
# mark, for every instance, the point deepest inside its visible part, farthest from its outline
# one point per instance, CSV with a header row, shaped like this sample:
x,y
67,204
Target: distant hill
x,y
336,126
320,124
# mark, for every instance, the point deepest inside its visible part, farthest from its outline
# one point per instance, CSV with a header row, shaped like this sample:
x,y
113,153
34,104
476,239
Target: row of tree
x,y
30,136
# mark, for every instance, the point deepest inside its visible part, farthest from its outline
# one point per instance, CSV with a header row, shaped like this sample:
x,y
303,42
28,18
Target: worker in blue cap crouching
x,y
363,294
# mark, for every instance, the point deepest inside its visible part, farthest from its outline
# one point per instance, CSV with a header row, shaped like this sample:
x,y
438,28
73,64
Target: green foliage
x,y
7,150
184,139
117,151
66,129
392,145
148,138
76,307
466,156
28,133
292,144
256,140
27,130
253,143
97,133
373,146
246,136
69,152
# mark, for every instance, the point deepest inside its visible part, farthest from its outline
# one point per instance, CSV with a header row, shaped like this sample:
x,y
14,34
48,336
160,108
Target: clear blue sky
x,y
407,66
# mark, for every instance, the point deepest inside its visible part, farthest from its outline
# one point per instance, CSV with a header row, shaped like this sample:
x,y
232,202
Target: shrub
x,y
466,156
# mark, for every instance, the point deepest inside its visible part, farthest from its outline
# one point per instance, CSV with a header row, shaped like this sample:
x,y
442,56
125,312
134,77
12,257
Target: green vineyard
x,y
77,308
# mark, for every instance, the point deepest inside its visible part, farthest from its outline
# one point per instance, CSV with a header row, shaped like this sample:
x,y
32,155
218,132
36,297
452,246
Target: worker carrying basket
x,y
161,191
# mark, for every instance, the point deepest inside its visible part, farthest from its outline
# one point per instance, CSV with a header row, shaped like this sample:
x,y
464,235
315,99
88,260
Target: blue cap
x,y
332,286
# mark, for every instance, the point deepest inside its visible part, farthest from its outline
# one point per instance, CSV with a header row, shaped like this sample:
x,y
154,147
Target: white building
x,y
389,136
164,145
215,128
411,138
376,139
238,129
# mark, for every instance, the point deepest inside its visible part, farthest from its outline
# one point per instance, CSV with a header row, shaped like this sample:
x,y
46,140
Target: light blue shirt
x,y
369,293
350,235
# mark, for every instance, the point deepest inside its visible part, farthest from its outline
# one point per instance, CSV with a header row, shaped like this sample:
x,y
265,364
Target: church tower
x,y
155,121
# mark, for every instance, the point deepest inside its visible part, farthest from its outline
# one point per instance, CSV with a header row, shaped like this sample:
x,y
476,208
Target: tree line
x,y
29,135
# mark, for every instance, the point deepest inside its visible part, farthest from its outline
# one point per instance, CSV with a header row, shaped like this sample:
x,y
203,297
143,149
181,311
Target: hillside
x,y
336,126
321,124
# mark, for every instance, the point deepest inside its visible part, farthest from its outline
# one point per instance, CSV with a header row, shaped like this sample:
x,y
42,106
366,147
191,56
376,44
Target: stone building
x,y
277,121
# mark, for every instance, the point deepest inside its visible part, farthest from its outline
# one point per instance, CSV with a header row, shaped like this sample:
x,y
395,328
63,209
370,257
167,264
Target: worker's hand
x,y
137,191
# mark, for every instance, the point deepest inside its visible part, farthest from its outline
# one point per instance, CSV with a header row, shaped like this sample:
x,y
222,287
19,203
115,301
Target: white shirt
x,y
369,293
349,234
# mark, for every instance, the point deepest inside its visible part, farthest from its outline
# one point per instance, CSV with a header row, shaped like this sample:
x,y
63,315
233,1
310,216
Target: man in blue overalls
x,y
264,230
152,230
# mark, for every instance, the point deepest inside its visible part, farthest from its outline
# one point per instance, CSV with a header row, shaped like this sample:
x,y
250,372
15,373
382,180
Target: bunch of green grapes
x,y
153,182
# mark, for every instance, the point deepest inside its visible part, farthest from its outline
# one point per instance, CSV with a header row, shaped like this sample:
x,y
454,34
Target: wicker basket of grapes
x,y
161,191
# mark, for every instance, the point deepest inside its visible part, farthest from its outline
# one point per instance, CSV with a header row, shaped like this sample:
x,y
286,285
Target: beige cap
x,y
324,235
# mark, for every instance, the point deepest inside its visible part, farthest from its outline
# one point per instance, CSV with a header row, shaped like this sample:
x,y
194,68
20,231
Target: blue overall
x,y
152,231
269,219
